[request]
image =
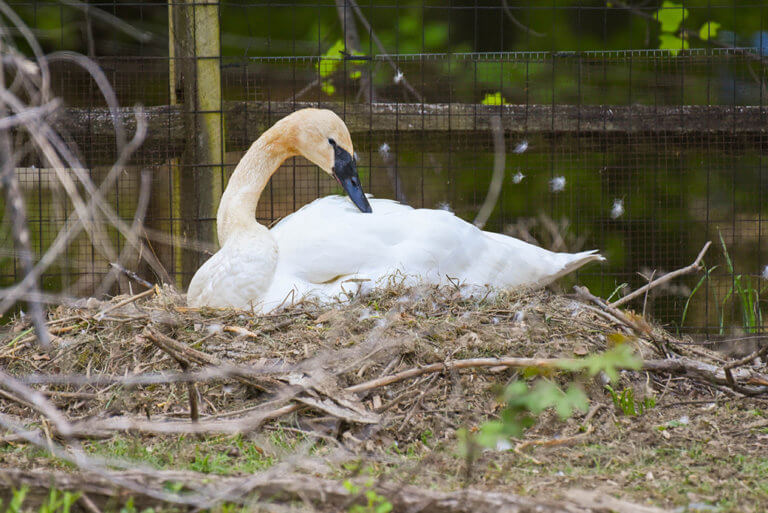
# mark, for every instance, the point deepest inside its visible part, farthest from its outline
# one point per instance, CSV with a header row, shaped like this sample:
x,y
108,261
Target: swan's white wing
x,y
330,241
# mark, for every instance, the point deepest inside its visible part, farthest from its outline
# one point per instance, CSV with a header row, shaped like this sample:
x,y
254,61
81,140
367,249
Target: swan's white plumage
x,y
329,247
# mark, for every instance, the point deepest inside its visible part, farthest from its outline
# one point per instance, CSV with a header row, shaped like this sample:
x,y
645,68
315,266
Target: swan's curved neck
x,y
237,209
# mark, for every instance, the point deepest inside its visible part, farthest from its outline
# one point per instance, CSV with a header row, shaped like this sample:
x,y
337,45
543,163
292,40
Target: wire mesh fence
x,y
627,136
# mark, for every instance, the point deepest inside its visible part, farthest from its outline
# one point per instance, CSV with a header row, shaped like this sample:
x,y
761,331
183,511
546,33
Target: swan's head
x,y
322,137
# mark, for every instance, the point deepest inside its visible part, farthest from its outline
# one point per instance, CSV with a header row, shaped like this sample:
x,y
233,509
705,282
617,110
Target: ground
x,y
675,442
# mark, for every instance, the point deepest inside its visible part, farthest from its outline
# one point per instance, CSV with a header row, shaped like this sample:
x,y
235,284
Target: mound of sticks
x,y
355,376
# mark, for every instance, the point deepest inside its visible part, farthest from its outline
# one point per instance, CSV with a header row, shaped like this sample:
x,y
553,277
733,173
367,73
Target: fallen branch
x,y
638,325
754,383
694,267
315,491
124,302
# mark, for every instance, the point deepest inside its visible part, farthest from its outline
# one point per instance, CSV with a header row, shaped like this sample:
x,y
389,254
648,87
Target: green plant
x,y
375,503
746,290
523,403
494,99
704,278
57,501
212,463
626,402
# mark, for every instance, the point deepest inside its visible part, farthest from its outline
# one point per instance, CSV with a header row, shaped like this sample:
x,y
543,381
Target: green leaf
x,y
573,399
494,99
384,507
328,87
491,432
672,43
354,75
709,30
671,16
350,487
435,35
329,62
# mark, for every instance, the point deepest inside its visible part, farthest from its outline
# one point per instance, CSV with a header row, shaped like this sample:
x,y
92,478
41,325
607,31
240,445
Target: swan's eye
x,y
333,143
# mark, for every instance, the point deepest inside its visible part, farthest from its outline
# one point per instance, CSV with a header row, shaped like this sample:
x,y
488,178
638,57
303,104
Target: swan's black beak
x,y
345,171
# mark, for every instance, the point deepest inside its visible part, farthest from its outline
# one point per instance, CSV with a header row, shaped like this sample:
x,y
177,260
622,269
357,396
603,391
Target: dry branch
x,y
694,267
755,383
318,492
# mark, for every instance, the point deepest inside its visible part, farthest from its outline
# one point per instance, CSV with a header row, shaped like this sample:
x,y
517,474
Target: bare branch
x,y
694,267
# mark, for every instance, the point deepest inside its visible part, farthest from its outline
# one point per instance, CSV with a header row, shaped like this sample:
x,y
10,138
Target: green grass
x,y
211,455
743,294
56,502
625,402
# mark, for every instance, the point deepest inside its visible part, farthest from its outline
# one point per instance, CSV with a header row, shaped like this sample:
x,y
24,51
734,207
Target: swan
x,y
332,244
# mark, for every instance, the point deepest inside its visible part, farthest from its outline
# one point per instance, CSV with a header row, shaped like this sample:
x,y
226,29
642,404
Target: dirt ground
x,y
270,397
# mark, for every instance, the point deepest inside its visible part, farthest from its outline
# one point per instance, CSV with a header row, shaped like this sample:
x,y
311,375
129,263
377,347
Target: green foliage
x,y
523,403
57,501
746,291
704,278
330,63
671,17
494,99
17,500
211,463
709,30
609,362
375,503
625,402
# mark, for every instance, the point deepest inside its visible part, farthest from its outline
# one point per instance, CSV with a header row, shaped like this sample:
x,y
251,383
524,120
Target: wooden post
x,y
196,84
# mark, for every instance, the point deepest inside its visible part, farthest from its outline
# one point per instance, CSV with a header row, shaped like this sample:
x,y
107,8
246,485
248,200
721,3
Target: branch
x,y
290,488
694,267
517,23
497,179
383,51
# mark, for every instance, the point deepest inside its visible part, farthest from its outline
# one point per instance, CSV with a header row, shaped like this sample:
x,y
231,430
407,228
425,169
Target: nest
x,y
139,357
374,372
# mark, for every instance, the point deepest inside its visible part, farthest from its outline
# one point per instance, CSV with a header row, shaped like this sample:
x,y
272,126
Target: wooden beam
x,y
169,136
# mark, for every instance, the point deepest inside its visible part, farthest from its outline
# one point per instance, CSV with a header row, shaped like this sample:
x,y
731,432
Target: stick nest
x,y
368,337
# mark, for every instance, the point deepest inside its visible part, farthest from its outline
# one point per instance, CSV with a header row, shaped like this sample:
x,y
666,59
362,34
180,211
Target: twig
x,y
38,401
287,488
497,179
728,370
130,274
645,299
110,19
517,23
552,442
192,392
241,374
376,40
124,302
21,238
88,503
640,329
663,279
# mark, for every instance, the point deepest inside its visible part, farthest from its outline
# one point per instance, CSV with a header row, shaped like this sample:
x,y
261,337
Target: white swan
x,y
327,245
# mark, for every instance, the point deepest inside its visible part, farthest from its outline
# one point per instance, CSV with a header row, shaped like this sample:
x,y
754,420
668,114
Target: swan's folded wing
x,y
330,239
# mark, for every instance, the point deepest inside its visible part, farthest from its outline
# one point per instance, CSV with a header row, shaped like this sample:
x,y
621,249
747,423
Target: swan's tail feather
x,y
575,261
